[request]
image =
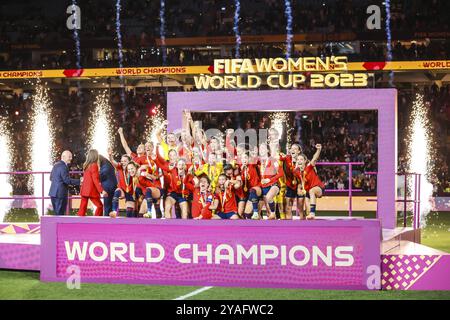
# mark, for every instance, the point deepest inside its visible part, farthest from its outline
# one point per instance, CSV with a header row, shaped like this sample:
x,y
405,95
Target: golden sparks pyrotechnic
x,y
100,125
420,151
154,121
5,166
280,121
42,143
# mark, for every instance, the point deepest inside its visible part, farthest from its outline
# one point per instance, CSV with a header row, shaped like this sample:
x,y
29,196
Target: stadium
x,y
131,130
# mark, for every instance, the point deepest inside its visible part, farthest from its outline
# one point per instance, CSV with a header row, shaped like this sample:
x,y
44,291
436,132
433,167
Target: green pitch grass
x,y
26,285
436,234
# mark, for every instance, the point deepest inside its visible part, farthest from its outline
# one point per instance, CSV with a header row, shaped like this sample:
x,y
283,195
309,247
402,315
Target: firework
x,y
289,36
153,123
5,166
100,125
76,38
118,34
389,39
237,35
162,30
280,121
42,143
420,149
120,50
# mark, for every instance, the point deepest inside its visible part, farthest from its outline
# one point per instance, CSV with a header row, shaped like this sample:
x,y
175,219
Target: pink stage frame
x,y
384,101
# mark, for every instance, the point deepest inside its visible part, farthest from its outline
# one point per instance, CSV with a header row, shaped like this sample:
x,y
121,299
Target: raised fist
x,y
318,146
120,130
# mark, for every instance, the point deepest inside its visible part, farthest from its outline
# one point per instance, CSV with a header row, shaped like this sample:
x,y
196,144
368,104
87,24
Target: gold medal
x,y
294,182
127,183
245,189
178,183
202,201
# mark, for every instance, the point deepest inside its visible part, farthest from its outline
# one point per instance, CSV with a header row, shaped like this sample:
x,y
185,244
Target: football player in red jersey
x,y
225,199
150,179
177,191
201,207
132,192
233,176
251,187
270,172
121,172
292,182
311,185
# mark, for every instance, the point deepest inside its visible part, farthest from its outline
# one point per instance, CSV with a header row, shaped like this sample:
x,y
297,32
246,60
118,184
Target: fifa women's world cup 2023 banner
x,y
322,255
314,72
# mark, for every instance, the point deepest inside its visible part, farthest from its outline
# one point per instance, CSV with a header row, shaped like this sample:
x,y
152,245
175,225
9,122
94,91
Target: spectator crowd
x,y
43,25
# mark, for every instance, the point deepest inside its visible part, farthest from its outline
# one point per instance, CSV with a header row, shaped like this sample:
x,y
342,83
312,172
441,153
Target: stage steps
x,y
391,238
413,266
412,248
20,251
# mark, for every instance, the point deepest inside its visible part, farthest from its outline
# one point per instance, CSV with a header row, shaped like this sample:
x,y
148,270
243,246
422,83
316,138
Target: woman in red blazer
x,y
91,187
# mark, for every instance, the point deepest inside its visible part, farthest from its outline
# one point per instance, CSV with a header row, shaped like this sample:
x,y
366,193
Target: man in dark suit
x,y
108,181
60,181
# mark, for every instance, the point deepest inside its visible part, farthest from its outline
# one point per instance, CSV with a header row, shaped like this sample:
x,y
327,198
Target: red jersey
x,y
152,168
227,200
269,169
239,192
289,167
135,157
133,187
229,145
201,203
121,183
250,177
309,177
147,183
184,151
175,182
165,174
125,182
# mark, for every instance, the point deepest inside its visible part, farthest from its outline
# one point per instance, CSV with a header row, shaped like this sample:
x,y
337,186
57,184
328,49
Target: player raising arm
x,y
311,184
140,151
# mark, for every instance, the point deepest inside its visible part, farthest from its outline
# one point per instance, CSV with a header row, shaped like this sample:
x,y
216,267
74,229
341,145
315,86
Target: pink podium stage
x,y
322,254
283,254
